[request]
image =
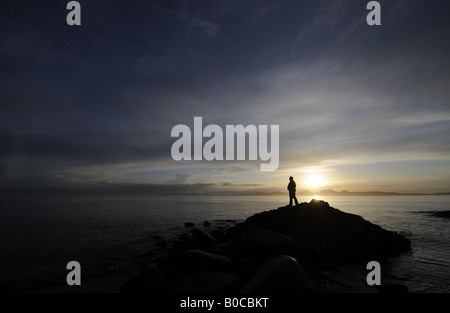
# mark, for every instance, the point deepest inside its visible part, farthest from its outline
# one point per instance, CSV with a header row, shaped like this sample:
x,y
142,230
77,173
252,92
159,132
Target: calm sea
x,y
39,236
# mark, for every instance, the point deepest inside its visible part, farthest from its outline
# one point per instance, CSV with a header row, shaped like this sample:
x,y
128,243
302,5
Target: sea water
x,y
39,236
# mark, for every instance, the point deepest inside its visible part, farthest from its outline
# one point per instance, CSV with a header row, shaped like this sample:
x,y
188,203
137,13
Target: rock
x,y
165,262
227,280
193,262
161,244
189,224
202,238
334,232
233,250
312,254
147,254
261,244
244,269
151,281
444,214
180,246
184,236
281,274
218,248
235,232
219,234
206,224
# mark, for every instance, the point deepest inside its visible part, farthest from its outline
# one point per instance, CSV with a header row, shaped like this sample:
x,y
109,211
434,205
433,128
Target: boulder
x,y
202,238
262,244
147,254
236,232
193,262
219,234
281,274
180,246
161,244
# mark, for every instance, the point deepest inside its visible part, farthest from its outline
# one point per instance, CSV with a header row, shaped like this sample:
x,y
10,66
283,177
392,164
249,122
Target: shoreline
x,y
332,275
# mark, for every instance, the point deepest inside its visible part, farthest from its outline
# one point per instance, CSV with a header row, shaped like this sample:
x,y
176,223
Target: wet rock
x,y
184,236
281,274
206,223
218,248
180,246
311,254
189,224
236,232
202,238
219,234
262,244
161,244
244,269
196,261
147,254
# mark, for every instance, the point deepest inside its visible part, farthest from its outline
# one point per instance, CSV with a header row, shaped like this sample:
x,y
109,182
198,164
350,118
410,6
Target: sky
x,y
89,109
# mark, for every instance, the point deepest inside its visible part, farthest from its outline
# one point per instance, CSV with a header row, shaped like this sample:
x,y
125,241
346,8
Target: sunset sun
x,y
314,181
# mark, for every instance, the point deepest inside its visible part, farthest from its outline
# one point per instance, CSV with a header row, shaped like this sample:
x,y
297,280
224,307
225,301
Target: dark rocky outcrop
x,y
287,250
334,232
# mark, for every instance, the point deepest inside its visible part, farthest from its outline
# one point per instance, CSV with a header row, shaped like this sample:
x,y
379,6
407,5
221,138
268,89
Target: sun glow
x,y
314,181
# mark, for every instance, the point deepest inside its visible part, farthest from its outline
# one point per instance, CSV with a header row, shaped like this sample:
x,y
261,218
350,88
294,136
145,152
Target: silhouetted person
x,y
291,187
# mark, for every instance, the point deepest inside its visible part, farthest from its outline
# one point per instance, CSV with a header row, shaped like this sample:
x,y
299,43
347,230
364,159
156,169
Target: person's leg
x,y
290,200
296,202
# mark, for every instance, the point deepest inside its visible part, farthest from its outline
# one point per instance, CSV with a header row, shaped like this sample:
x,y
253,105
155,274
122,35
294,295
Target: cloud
x,y
181,179
211,28
98,105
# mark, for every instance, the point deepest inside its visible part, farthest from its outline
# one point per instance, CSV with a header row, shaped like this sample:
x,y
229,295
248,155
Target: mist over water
x,y
38,236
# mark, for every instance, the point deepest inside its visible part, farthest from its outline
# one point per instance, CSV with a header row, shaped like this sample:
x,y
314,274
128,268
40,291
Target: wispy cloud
x,y
210,27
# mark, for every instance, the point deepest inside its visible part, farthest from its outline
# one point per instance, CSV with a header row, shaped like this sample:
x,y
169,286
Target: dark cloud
x,y
97,103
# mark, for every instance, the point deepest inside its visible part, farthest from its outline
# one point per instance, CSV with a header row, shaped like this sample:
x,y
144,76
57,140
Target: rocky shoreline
x,y
309,248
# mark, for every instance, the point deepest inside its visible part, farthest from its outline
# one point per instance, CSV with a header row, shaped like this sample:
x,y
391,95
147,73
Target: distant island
x,y
330,192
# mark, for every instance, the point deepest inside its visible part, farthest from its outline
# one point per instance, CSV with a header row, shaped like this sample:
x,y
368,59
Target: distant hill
x,y
330,192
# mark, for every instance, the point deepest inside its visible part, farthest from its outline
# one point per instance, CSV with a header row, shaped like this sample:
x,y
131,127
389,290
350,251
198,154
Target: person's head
x,y
291,178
